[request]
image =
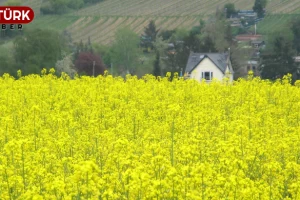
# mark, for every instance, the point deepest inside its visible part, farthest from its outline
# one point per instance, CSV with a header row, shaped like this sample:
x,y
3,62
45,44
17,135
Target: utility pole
x,y
94,68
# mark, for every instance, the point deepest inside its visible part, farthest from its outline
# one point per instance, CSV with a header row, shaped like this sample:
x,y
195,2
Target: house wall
x,y
228,72
207,66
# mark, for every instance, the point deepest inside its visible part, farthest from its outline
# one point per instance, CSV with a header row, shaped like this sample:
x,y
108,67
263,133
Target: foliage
x,y
196,30
149,36
106,138
166,34
82,47
105,53
63,6
259,7
208,45
156,65
13,3
89,64
9,34
219,31
66,66
125,50
279,62
230,9
151,30
38,49
7,62
295,27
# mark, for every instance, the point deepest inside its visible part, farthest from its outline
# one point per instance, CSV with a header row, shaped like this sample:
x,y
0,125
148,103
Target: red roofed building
x,y
248,37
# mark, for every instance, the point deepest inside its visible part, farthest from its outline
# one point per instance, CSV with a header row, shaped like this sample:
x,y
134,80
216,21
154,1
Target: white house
x,y
208,66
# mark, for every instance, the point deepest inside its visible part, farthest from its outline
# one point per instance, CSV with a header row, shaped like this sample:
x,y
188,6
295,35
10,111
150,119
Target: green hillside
x,y
100,21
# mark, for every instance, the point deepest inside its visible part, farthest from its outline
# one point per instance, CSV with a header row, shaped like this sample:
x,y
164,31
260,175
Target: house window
x,y
254,68
207,76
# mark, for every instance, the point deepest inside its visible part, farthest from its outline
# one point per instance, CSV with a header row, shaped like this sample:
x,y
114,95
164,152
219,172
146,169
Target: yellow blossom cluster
x,y
113,138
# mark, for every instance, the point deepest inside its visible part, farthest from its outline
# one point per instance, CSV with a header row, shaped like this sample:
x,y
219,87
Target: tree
x,y
279,62
259,7
76,4
150,34
196,30
65,65
208,45
157,68
13,3
38,49
218,31
166,34
7,63
60,6
105,52
125,50
295,26
89,64
151,31
230,9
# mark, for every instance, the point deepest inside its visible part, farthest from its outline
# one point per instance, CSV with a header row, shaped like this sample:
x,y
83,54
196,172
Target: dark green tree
x,y
7,63
157,67
76,4
150,34
230,9
38,49
259,7
151,31
279,61
295,26
208,45
166,34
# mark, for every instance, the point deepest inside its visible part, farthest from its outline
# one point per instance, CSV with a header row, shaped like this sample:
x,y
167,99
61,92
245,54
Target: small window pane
x,y
207,75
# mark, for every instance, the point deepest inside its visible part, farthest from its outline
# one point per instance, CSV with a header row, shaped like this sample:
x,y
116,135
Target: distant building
x,y
257,44
247,14
235,22
297,59
207,66
246,37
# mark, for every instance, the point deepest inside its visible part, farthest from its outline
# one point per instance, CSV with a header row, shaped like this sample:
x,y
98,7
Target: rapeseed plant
x,y
149,138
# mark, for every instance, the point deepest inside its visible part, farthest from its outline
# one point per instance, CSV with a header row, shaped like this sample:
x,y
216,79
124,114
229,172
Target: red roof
x,y
248,37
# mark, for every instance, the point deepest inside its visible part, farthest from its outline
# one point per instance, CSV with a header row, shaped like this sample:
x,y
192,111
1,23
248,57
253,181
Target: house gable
x,y
204,62
206,65
206,57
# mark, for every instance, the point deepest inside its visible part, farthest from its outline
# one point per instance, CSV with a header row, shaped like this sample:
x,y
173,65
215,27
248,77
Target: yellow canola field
x,y
106,138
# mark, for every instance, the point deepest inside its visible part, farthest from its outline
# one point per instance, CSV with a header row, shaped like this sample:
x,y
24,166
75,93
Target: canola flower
x,y
106,138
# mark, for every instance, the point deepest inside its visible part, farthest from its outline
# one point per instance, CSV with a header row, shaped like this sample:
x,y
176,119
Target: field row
x,y
102,29
34,4
276,23
178,7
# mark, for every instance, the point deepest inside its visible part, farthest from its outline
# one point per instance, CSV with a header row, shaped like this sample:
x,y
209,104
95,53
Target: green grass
x,y
275,24
58,23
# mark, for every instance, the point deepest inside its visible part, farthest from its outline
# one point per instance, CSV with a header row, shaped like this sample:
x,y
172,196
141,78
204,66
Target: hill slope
x,y
180,7
100,21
